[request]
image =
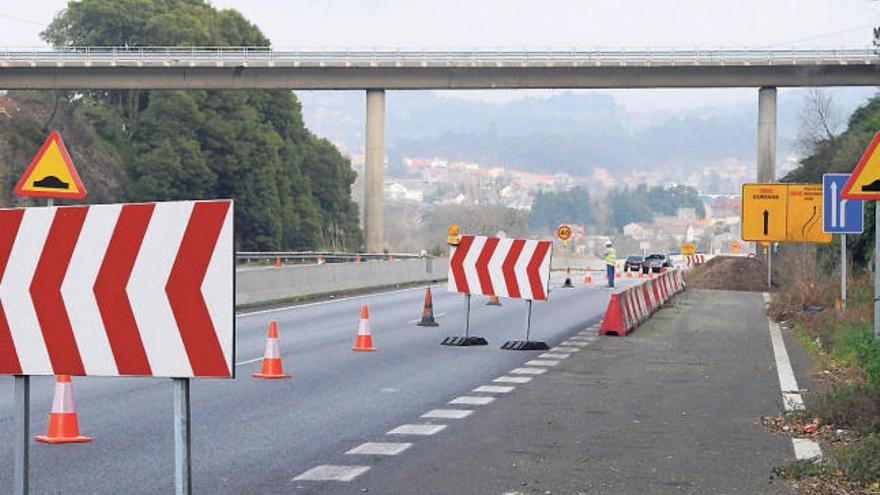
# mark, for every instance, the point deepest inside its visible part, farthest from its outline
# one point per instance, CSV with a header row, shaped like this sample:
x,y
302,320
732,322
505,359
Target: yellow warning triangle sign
x,y
51,174
864,183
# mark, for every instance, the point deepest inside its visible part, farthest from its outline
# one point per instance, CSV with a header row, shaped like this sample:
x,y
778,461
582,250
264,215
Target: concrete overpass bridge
x,y
412,69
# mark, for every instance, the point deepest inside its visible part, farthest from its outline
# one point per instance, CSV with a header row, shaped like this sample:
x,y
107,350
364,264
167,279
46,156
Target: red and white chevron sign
x,y
491,266
112,290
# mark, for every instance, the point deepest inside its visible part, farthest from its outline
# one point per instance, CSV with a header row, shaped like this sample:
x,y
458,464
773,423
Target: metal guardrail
x,y
318,257
411,57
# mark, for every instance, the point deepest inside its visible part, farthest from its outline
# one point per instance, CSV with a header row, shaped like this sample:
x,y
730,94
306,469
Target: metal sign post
x,y
467,316
22,434
843,270
528,318
876,274
182,438
770,266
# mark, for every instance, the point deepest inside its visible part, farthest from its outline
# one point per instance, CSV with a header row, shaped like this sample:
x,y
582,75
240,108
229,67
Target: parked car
x,y
655,263
633,263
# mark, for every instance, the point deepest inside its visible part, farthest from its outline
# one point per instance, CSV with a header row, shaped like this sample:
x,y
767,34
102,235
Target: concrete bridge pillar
x,y
374,170
766,134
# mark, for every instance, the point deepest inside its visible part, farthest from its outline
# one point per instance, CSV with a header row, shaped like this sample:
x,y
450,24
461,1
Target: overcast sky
x,y
527,23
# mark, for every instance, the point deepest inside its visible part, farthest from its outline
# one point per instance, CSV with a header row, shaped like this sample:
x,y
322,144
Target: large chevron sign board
x,y
118,290
491,266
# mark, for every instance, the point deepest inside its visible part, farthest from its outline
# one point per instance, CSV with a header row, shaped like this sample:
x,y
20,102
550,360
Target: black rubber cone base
x,y
567,284
464,341
525,345
493,303
427,323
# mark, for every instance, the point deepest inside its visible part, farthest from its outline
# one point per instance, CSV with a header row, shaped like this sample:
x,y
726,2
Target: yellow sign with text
x,y
783,213
688,249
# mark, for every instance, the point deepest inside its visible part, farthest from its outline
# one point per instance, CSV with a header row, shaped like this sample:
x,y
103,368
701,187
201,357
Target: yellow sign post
x,y
783,213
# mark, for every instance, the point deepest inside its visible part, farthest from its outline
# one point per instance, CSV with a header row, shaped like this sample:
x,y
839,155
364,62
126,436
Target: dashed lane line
x,y
528,371
448,413
804,449
380,448
541,362
577,344
418,429
472,401
329,472
513,379
554,355
494,389
565,349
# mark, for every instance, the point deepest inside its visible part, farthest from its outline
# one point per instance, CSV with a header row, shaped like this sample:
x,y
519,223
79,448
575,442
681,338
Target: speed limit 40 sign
x,y
563,232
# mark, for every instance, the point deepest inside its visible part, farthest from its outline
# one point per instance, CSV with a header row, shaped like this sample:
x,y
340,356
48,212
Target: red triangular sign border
x,y
845,192
19,188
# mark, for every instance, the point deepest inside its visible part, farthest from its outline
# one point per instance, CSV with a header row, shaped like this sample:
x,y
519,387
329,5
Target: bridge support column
x,y
374,170
767,134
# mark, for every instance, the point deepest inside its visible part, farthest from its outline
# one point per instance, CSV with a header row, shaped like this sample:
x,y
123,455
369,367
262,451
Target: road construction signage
x,y
118,290
783,213
840,215
51,174
490,266
564,232
865,180
688,249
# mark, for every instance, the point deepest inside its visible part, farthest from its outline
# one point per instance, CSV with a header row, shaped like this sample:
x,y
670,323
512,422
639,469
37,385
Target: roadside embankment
x,y
729,273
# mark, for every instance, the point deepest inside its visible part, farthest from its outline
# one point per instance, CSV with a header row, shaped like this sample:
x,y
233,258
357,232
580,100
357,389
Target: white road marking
x,y
541,362
565,349
578,344
528,371
328,472
416,430
380,448
331,301
806,449
494,389
448,413
791,397
551,355
472,401
249,361
513,379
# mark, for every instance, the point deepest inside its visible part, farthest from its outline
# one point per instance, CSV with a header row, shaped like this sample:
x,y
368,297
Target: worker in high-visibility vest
x,y
610,262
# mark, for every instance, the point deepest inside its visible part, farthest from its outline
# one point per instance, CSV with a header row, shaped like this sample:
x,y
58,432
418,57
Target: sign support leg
x,y
467,339
182,438
526,345
843,270
876,274
770,266
467,315
22,434
528,318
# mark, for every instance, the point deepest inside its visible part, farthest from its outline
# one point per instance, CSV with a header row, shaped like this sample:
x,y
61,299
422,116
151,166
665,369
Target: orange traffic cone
x,y
277,262
63,424
617,275
272,356
629,274
493,301
357,258
588,279
428,311
364,341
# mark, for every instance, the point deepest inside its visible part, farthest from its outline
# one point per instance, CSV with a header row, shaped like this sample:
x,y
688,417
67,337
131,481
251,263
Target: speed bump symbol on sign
x,y
764,212
864,183
51,173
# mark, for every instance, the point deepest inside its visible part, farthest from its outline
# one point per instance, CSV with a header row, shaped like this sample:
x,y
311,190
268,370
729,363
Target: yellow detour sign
x,y
763,212
864,183
804,223
783,213
51,174
688,249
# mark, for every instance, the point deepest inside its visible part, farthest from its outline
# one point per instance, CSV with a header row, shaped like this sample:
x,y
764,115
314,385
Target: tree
x,y
550,209
292,189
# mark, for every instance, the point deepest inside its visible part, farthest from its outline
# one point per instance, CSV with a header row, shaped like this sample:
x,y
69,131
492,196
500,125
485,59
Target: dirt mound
x,y
729,273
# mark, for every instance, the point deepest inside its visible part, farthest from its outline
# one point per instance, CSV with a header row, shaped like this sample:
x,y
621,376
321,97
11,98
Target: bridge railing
x,y
344,57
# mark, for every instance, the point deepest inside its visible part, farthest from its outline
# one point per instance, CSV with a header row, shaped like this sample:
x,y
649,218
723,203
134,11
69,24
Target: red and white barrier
x,y
696,259
630,307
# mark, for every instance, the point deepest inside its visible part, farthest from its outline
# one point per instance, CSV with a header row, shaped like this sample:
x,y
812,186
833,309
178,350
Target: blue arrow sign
x,y
840,216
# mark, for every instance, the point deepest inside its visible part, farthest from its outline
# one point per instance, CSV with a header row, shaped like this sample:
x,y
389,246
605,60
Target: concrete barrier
x,y
261,285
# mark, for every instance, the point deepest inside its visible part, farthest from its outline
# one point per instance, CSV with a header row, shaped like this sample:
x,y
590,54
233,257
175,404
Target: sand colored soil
x,y
729,273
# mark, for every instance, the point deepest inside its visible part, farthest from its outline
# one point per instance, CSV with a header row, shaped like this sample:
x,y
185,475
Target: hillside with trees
x,y
292,188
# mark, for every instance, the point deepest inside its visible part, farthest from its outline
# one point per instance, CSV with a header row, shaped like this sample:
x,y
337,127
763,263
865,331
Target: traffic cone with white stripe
x,y
364,340
63,423
272,367
428,311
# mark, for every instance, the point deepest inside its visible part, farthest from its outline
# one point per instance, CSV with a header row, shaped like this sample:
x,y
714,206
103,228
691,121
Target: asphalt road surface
x,y
256,436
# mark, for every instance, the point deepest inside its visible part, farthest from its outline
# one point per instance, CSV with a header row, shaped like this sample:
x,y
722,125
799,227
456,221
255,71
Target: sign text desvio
x,y
783,213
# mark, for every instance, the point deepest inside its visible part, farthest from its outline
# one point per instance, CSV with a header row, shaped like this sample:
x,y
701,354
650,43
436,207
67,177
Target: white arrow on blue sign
x,y
840,216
